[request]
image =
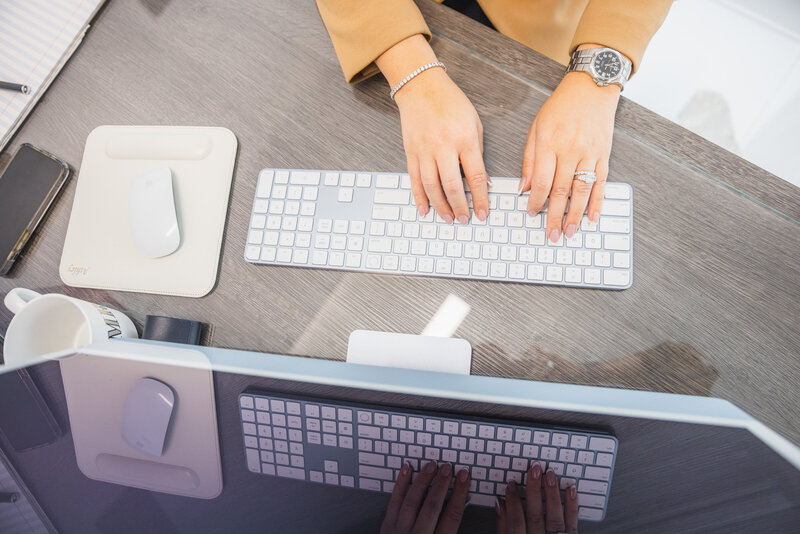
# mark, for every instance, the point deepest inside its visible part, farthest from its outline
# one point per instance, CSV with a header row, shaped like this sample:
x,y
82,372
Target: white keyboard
x,y
363,221
364,447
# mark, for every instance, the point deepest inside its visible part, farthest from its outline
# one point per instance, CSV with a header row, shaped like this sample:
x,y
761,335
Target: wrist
x,y
404,58
584,81
422,86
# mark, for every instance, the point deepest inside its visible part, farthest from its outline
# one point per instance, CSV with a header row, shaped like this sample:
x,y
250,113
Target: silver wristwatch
x,y
604,65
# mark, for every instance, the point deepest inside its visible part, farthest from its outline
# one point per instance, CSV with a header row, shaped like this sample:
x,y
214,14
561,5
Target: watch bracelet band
x,y
581,60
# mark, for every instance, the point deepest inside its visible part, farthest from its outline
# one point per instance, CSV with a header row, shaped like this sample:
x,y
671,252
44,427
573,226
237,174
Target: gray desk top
x,y
715,303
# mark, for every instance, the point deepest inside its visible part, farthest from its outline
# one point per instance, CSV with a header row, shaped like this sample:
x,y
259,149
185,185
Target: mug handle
x,y
17,298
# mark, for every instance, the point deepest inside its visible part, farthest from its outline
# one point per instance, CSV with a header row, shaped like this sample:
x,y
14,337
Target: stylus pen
x,y
24,89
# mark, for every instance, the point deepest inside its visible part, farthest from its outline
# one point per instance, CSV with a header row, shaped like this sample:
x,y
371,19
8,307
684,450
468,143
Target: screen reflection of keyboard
x,y
363,447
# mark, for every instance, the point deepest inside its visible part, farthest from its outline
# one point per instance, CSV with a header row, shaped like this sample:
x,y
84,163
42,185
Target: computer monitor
x,y
683,463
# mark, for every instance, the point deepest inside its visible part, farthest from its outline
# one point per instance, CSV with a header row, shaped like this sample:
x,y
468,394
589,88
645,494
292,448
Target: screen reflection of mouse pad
x,y
97,387
100,252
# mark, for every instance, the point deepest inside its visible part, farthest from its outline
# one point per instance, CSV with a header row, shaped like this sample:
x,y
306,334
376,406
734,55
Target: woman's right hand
x,y
512,519
440,130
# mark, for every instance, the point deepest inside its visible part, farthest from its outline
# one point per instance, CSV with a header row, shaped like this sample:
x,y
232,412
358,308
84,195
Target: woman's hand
x,y
441,130
512,519
572,132
409,513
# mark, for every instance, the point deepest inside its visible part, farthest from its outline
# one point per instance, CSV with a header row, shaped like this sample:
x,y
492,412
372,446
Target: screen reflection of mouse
x,y
147,415
151,205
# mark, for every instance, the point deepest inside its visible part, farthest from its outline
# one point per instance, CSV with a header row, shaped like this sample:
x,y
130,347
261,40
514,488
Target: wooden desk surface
x,y
715,302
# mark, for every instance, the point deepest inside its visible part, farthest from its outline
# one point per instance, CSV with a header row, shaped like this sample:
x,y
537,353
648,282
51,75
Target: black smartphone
x,y
28,186
25,418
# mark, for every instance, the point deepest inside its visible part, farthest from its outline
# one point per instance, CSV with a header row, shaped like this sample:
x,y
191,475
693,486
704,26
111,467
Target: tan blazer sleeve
x,y
362,30
624,25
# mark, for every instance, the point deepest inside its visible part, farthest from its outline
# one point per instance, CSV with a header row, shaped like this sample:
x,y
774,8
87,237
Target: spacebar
x,y
481,499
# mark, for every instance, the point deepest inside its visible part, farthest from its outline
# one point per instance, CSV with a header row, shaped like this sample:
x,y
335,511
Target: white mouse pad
x,y
100,251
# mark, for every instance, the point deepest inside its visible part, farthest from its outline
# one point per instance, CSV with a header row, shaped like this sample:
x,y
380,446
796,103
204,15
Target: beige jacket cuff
x,y
624,25
362,30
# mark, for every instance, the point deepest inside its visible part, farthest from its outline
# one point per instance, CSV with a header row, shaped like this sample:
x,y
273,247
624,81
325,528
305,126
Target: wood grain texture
x,y
715,301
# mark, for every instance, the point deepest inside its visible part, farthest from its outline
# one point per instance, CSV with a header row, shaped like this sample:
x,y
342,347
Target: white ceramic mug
x,y
44,324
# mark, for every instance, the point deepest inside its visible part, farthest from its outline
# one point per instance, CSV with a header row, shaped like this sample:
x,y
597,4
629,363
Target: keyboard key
x,y
616,278
597,473
386,196
616,208
345,195
304,178
604,459
592,486
369,484
622,260
386,213
593,514
363,180
617,242
291,472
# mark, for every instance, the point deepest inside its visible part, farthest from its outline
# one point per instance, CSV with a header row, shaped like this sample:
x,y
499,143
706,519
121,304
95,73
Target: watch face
x,y
607,64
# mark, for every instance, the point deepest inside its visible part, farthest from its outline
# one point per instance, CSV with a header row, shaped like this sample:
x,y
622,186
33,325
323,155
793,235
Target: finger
x,y
515,520
533,500
557,203
414,495
451,519
420,198
554,513
433,189
432,507
453,187
500,508
527,159
598,190
398,494
474,170
571,510
544,169
579,199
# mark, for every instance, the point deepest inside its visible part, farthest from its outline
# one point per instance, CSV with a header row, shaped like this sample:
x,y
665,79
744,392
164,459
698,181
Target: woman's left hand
x,y
572,132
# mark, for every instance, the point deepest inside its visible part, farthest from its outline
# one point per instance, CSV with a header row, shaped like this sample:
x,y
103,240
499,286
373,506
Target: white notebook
x,y
37,37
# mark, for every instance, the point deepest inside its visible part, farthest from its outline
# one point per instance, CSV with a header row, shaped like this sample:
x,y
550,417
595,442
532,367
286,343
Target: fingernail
x,y
422,210
431,467
570,231
463,475
554,235
488,179
444,470
511,488
448,219
406,469
497,507
519,188
463,219
537,471
550,478
482,215
594,217
573,492
532,213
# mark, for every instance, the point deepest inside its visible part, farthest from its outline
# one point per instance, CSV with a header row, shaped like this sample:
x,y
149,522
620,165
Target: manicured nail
x,y
519,188
423,210
463,219
532,213
448,219
482,215
488,179
431,467
571,229
497,507
406,469
550,478
594,217
573,492
463,475
445,470
511,489
536,471
554,235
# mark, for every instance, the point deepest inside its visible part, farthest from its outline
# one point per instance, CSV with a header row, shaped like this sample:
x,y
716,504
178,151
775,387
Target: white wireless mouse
x,y
148,411
152,213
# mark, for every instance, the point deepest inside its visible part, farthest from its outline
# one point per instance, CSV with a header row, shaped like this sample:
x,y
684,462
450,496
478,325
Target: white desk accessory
x,y
100,250
408,351
148,412
34,49
151,207
98,390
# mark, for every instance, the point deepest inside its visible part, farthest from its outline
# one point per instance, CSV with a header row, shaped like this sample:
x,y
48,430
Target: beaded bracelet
x,y
414,74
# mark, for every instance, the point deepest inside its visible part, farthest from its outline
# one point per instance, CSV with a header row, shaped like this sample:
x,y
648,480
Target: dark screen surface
x,y
24,186
669,477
